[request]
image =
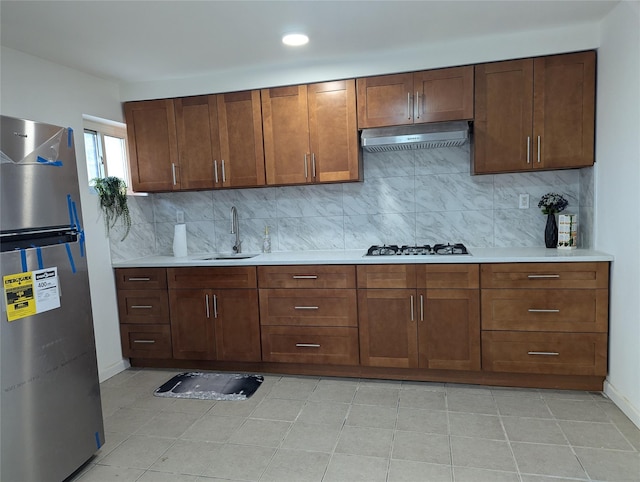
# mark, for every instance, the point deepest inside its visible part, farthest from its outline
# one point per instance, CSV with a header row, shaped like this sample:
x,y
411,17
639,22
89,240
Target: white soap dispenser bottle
x,y
266,242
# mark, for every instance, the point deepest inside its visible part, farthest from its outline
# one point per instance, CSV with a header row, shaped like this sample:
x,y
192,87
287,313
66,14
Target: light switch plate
x,y
523,201
179,217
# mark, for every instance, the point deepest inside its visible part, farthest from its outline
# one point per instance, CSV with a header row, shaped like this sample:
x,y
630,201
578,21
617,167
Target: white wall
x,y
45,92
617,202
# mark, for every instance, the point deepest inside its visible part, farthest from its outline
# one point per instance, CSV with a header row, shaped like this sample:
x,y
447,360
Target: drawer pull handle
x,y
531,310
308,345
138,279
544,353
141,307
144,341
538,276
306,308
305,276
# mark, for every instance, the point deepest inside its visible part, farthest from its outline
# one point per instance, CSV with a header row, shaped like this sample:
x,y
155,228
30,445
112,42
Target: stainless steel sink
x,y
227,256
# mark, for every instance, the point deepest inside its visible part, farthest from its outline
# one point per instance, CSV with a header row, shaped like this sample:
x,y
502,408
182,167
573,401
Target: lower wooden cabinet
x,y
545,353
145,341
215,324
310,344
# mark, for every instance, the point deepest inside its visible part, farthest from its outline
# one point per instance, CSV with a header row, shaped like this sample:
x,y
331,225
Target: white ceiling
x,y
149,40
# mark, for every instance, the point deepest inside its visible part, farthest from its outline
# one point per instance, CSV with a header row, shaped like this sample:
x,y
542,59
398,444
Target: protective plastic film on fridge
x,y
50,410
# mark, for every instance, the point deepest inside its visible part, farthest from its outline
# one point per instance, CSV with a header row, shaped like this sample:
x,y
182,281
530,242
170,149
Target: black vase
x,y
551,232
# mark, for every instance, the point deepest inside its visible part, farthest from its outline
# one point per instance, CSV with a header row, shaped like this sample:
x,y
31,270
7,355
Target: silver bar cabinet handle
x,y
308,345
421,308
538,149
528,150
224,176
306,171
141,307
215,170
306,308
138,279
206,304
215,306
412,314
313,165
408,105
144,341
531,310
305,276
173,173
417,104
544,353
538,276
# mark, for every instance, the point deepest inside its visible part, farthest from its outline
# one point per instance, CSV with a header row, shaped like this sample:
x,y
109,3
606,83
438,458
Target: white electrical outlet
x,y
523,201
180,217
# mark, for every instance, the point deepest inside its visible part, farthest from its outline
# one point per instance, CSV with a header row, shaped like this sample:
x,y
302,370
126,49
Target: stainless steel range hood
x,y
422,136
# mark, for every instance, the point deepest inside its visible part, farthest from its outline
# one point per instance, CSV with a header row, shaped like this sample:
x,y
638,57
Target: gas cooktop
x,y
395,250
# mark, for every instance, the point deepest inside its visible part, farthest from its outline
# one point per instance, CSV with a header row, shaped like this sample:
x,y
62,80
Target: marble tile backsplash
x,y
407,197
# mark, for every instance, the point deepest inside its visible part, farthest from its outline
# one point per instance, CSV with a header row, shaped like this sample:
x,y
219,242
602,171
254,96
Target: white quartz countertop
x,y
477,255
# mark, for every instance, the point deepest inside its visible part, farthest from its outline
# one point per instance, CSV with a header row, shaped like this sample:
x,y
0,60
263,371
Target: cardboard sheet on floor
x,y
210,386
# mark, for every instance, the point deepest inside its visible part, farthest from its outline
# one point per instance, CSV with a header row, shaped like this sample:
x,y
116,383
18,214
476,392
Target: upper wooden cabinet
x,y
535,113
200,142
310,133
415,98
153,146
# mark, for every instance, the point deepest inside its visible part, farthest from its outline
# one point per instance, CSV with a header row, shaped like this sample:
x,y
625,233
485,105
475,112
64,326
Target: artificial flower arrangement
x,y
552,203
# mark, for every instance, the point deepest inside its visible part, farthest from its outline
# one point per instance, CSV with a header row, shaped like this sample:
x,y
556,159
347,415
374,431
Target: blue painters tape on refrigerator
x,y
46,162
98,444
39,254
23,259
70,255
69,137
76,221
70,207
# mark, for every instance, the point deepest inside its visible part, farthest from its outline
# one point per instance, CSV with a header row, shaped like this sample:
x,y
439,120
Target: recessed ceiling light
x,y
295,39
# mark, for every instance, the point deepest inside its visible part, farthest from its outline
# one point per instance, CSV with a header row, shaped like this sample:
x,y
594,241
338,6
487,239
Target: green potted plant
x,y
112,196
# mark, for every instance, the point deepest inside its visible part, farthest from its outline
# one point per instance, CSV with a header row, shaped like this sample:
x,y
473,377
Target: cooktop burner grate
x,y
395,250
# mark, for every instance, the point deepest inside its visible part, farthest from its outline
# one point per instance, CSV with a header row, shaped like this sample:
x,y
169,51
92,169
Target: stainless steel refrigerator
x,y
50,410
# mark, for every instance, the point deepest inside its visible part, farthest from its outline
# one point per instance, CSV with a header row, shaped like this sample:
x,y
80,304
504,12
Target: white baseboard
x,y
622,402
114,369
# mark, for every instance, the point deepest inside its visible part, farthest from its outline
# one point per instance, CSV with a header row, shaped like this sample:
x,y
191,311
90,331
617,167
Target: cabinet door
x,y
388,331
192,324
242,153
386,276
198,141
153,147
564,110
503,116
385,100
443,94
333,131
449,329
237,328
286,135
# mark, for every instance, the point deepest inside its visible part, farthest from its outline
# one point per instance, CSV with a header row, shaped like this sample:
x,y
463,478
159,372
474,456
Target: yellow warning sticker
x,y
18,289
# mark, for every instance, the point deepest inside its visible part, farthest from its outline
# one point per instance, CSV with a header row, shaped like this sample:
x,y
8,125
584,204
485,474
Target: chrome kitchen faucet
x,y
235,229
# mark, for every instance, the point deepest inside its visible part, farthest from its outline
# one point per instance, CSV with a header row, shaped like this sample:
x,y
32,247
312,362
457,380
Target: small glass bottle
x,y
266,242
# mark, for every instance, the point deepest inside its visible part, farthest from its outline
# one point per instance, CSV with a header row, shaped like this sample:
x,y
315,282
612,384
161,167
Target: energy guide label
x,y
31,292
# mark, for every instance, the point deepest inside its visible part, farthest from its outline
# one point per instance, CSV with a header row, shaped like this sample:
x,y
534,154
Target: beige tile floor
x,y
303,429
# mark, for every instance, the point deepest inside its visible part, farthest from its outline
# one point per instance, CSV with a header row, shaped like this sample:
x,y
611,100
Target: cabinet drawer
x,y
146,341
545,275
143,306
141,278
381,276
448,276
545,310
211,278
308,307
544,353
301,344
307,276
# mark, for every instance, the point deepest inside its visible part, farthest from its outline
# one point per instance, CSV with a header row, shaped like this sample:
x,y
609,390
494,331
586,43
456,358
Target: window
x,y
105,145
